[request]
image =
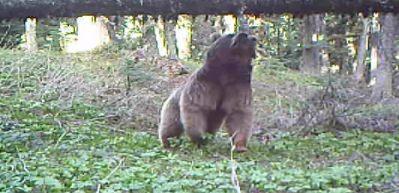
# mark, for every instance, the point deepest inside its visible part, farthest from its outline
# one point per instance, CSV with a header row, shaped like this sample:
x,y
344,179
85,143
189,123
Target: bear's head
x,y
232,50
229,58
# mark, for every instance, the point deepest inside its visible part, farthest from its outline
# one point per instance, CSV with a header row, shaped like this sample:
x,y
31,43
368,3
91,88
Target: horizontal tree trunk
x,y
73,8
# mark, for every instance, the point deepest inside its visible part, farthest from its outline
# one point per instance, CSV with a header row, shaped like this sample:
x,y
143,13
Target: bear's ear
x,y
238,39
215,36
253,39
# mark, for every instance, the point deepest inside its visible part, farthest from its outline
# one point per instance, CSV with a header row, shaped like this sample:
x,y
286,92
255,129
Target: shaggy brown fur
x,y
220,91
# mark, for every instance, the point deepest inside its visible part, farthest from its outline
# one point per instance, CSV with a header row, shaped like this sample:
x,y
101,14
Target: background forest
x,y
80,100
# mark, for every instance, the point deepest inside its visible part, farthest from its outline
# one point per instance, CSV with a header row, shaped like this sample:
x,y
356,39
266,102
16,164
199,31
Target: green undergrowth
x,y
44,149
279,74
48,147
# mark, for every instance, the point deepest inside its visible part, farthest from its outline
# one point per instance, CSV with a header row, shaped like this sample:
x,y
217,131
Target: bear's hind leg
x,y
194,123
170,124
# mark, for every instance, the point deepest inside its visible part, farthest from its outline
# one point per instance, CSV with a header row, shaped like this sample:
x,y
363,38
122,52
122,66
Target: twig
x,y
110,174
23,163
234,177
98,188
60,138
119,130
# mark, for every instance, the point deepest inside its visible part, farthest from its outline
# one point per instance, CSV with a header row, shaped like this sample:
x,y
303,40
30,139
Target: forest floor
x,y
87,123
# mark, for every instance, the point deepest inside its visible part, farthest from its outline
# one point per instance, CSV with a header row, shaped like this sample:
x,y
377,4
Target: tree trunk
x,y
171,38
360,66
395,84
160,36
343,54
183,36
325,60
277,28
92,33
230,22
73,8
203,34
319,29
311,58
30,34
218,24
386,50
375,29
341,46
113,25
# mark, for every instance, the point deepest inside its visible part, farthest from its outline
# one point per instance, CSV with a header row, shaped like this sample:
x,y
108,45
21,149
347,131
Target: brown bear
x,y
220,91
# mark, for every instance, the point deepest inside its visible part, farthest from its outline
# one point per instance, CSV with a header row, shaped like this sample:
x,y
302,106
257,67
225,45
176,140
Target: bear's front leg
x,y
194,123
239,127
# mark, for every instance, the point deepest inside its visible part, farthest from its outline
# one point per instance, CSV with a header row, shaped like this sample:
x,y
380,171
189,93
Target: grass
x,y
49,146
